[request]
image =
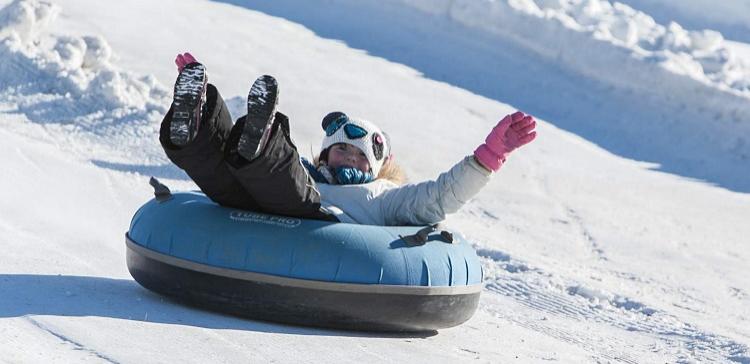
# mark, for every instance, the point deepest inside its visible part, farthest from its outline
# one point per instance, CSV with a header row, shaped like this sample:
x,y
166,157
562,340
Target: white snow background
x,y
620,235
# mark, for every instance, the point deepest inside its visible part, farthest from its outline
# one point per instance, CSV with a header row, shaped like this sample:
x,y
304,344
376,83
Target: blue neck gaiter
x,y
352,176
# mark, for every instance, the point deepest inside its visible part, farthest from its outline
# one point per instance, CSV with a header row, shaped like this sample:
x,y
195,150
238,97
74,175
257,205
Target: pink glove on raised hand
x,y
513,131
183,60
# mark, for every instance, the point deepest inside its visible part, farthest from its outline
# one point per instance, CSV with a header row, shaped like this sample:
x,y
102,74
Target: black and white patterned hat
x,y
366,136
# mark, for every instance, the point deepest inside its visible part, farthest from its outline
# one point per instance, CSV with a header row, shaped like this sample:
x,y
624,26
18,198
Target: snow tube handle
x,y
161,192
422,236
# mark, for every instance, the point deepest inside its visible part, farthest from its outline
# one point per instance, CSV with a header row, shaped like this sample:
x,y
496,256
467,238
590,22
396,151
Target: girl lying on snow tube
x,y
254,164
322,273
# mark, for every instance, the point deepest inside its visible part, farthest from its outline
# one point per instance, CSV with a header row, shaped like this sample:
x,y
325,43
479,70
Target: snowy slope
x,y
588,256
675,81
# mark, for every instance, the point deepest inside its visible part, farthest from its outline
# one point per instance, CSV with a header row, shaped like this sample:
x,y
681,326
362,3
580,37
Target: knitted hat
x,y
360,133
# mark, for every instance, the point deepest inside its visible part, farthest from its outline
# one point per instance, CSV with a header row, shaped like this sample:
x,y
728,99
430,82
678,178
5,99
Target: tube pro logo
x,y
256,217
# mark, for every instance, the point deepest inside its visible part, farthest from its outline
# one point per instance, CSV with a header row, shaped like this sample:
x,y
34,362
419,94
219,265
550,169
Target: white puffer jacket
x,y
382,202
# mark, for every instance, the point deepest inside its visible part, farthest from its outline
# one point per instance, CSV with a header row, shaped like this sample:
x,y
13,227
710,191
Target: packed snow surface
x,y
619,235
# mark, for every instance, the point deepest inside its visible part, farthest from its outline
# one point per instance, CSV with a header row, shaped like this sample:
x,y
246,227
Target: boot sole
x,y
188,100
261,108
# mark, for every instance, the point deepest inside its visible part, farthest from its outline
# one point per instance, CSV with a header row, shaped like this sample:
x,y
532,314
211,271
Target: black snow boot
x,y
261,108
189,98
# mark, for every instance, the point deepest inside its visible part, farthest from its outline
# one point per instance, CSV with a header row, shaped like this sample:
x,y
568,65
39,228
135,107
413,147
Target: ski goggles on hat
x,y
333,125
352,131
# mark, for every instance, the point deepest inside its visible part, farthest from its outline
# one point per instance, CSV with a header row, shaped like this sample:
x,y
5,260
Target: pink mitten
x,y
513,131
183,60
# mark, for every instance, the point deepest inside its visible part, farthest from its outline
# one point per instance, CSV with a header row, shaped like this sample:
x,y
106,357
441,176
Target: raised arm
x,y
428,202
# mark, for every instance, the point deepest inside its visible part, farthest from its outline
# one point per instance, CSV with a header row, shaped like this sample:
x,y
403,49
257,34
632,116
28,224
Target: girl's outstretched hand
x,y
183,60
512,132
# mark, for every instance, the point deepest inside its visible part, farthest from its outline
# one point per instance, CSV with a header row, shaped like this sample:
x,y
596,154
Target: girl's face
x,y
347,155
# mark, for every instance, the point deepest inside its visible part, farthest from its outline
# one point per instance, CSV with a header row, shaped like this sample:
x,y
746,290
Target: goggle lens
x,y
354,131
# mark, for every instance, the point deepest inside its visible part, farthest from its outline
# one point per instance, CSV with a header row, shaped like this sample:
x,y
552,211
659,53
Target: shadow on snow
x,y
64,295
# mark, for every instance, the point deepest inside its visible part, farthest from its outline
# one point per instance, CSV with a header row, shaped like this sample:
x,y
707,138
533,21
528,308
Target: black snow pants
x,y
276,182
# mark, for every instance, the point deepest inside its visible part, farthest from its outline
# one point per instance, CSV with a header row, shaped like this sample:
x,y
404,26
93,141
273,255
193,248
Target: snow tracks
x,y
549,301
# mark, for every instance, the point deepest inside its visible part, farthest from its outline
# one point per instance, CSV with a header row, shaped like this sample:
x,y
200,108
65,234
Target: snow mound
x,y
582,33
702,55
67,79
730,17
23,19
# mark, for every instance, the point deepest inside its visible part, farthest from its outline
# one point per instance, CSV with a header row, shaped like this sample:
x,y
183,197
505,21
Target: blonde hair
x,y
390,170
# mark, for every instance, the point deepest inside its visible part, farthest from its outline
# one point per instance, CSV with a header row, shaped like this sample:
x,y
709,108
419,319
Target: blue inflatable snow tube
x,y
301,271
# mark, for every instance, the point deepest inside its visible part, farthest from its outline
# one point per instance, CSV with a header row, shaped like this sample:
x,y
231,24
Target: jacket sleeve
x,y
428,202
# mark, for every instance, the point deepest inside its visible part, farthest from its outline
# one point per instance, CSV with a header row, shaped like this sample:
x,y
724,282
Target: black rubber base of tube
x,y
375,312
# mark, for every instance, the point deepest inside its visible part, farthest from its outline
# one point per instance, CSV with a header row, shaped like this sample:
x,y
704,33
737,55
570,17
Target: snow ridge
x,y
64,79
730,17
72,93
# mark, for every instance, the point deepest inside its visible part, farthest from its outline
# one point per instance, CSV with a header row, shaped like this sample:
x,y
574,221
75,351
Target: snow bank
x,y
616,44
730,17
63,79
